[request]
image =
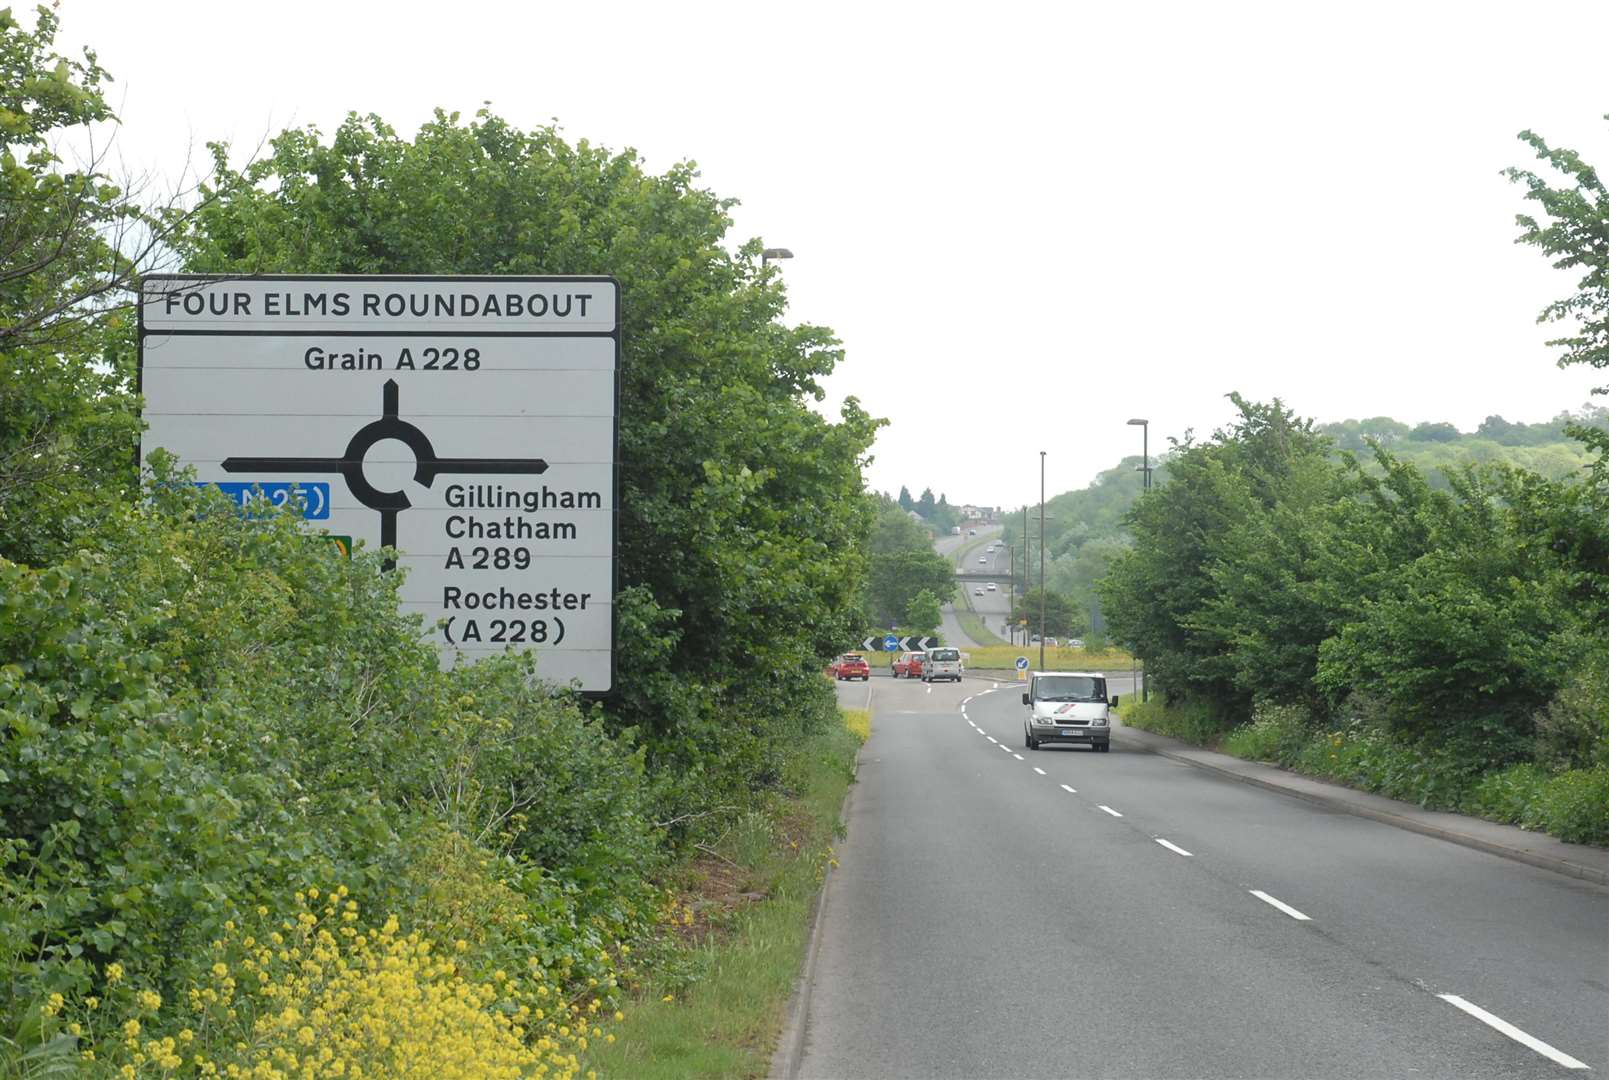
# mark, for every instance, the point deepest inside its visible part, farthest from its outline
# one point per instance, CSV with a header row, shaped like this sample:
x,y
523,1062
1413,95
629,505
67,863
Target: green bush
x,y
206,712
1277,733
1572,731
1507,795
1574,806
1192,722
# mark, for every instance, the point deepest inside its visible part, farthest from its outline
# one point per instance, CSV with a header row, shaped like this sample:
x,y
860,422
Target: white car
x,y
977,592
992,587
983,559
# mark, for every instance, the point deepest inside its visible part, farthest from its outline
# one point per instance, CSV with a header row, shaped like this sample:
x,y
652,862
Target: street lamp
x,y
1145,451
774,253
1041,560
1145,448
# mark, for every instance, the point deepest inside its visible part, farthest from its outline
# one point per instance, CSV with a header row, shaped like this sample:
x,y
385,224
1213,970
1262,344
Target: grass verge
x,y
718,1005
1571,804
1056,659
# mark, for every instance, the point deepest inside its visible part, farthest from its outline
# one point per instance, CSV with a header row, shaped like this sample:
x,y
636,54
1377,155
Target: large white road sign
x,y
468,422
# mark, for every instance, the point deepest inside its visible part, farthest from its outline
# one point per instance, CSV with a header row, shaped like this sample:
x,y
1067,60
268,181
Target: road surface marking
x,y
1070,791
1038,770
1286,908
967,700
995,687
930,689
1514,1033
1171,846
992,739
1109,810
1017,756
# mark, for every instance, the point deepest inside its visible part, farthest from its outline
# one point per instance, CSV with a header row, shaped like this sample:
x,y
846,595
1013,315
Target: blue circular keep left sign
x,y
1022,663
891,643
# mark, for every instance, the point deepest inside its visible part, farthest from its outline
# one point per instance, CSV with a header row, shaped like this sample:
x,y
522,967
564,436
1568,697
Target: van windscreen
x,y
1070,688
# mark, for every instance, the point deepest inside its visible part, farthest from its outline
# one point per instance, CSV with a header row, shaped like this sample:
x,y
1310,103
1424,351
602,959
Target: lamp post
x,y
774,253
1041,560
1145,452
1145,448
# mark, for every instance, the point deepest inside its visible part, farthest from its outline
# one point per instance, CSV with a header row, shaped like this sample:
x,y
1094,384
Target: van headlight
x,y
1100,721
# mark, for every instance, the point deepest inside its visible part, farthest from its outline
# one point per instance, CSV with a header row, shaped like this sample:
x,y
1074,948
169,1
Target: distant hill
x,y
1084,528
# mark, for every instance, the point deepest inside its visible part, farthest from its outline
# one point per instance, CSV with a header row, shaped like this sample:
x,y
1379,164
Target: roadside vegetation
x,y
1004,657
1444,640
247,820
715,1003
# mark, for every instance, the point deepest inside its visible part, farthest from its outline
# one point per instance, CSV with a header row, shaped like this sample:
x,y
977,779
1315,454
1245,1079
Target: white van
x,y
1068,707
942,663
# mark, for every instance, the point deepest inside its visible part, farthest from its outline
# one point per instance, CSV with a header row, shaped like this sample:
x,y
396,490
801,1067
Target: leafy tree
x,y
925,505
1575,235
896,577
1062,618
894,530
1434,432
905,501
741,514
922,614
67,423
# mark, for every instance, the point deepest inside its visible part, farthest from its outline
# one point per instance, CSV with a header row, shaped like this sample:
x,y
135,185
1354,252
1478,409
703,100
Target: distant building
x,y
977,513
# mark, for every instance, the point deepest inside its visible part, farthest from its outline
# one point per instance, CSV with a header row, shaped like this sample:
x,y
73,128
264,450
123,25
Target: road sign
x,y
891,644
871,644
916,643
467,422
1022,663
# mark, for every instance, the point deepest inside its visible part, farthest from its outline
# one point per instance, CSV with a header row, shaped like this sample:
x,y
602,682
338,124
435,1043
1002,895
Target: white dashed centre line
x,y
1017,756
1175,848
1286,908
1070,791
1038,770
1007,749
1499,1024
992,739
1109,810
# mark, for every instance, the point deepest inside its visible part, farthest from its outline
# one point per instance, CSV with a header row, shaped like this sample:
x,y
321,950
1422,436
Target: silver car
x,y
942,664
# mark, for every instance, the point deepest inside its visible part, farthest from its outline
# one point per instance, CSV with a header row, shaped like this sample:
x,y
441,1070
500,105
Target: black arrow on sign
x,y
427,466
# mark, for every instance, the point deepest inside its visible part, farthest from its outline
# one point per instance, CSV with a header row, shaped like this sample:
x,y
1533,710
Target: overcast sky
x,y
1027,222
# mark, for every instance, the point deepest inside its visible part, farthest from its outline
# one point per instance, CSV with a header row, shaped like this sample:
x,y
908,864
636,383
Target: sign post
x,y
467,422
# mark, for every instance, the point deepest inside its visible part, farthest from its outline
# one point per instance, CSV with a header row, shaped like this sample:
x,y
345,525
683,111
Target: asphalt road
x,y
1000,912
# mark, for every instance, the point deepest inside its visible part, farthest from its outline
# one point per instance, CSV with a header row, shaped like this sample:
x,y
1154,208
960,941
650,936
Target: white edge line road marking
x,y
1514,1033
1038,770
1070,791
1109,810
1175,848
1017,756
1286,908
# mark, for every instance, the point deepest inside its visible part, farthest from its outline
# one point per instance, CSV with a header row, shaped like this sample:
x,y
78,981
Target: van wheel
x,y
1106,747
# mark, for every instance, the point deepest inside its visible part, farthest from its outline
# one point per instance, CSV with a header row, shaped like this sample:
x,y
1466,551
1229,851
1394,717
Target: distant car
x,y
983,558
972,532
992,587
1075,643
1053,643
850,666
909,665
977,592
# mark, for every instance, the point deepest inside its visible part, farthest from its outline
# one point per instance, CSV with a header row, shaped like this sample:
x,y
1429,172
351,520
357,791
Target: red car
x,y
851,665
909,665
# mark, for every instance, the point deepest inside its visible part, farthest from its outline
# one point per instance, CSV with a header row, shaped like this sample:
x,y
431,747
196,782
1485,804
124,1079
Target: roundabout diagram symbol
x,y
390,425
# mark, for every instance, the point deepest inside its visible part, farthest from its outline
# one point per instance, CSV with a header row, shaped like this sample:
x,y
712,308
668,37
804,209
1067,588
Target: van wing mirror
x,y
1026,700
1114,700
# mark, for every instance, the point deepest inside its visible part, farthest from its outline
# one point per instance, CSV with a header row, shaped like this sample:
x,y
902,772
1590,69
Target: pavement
x,y
1509,841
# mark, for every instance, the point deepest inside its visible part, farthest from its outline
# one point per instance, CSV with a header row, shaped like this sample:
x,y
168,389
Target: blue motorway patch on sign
x,y
313,495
